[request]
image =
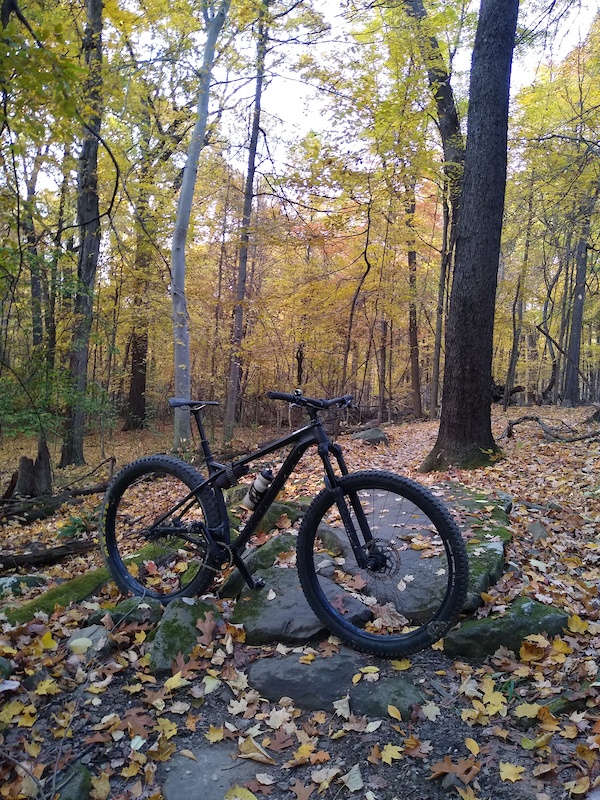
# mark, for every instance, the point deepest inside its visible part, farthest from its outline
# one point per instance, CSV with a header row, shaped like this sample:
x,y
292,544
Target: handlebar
x,y
311,402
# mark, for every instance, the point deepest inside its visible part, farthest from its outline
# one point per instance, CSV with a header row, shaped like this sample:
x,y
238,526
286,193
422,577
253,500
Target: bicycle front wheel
x,y
152,544
402,583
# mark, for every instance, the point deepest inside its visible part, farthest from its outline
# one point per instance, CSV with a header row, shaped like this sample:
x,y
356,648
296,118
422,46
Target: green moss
x,y
70,592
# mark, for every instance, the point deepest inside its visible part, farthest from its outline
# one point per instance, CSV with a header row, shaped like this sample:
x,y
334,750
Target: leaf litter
x,y
486,730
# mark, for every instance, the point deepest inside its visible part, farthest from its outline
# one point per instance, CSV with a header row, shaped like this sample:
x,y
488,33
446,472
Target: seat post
x,y
208,456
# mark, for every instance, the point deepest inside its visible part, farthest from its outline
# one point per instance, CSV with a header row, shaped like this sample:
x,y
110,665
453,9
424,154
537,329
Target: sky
x,y
288,99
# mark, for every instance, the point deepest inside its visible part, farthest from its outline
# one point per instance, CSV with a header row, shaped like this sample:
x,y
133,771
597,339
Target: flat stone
x,y
209,777
374,698
96,634
537,530
285,618
314,686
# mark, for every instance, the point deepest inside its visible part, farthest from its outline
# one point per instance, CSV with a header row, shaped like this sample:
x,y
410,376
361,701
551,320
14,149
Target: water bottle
x,y
259,486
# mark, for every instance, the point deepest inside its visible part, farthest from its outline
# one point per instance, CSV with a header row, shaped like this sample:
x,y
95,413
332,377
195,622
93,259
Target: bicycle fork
x,y
363,561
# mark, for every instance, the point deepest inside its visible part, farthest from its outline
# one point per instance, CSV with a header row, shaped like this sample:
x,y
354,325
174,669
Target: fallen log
x,y
27,510
550,433
46,555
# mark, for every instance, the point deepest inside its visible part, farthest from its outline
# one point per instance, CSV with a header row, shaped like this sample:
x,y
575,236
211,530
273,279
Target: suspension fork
x,y
325,449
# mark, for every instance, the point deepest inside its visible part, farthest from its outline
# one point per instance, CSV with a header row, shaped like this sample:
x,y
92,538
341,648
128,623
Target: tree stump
x,y
34,478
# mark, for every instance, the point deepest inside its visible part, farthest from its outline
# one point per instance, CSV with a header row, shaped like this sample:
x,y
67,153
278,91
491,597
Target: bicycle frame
x,y
301,440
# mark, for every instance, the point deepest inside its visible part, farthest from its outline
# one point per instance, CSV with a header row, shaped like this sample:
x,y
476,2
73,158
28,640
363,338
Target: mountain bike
x,y
380,559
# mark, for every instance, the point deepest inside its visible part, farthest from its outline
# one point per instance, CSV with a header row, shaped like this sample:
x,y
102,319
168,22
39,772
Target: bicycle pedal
x,y
259,583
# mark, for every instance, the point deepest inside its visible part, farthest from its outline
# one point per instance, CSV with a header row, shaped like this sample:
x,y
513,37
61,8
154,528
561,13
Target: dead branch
x,y
47,555
27,510
550,433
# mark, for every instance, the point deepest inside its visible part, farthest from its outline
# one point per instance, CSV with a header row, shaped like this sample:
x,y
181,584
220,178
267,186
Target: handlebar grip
x,y
289,398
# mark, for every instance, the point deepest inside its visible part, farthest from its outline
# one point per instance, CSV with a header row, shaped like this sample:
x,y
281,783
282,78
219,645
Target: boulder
x,y
371,436
478,638
177,632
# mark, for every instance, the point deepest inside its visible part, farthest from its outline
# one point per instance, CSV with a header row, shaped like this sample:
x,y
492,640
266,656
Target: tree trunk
x,y
517,311
88,218
214,21
572,371
445,263
235,368
453,146
413,333
465,435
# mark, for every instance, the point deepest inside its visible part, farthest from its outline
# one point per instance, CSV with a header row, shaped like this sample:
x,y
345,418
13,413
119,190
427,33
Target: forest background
x,y
316,256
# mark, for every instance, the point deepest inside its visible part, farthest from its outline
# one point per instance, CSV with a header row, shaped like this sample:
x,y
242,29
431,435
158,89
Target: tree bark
x,y
465,435
571,395
413,332
88,218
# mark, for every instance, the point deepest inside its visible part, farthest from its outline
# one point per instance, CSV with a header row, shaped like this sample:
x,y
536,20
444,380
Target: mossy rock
x,y
258,559
5,668
77,784
486,566
13,584
177,632
478,638
133,609
73,591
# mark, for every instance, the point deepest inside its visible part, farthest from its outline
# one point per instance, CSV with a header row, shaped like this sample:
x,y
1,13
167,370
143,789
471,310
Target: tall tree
x,y
235,370
465,434
88,219
214,18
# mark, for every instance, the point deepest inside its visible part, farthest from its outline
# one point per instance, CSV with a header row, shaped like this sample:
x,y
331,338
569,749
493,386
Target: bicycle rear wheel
x,y
412,588
150,546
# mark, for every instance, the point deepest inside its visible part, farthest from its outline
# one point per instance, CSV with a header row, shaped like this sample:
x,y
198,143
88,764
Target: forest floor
x,y
554,557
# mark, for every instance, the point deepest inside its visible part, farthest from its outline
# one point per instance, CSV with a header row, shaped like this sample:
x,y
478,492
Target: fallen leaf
x,y
510,772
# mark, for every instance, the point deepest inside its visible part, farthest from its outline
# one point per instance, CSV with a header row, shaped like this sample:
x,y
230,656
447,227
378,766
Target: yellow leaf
x,y
577,625
100,787
578,787
367,670
48,643
307,659
188,754
175,682
10,710
394,713
47,686
32,749
166,728
162,750
466,794
251,749
472,746
391,752
356,678
215,734
130,771
239,793
528,710
511,772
